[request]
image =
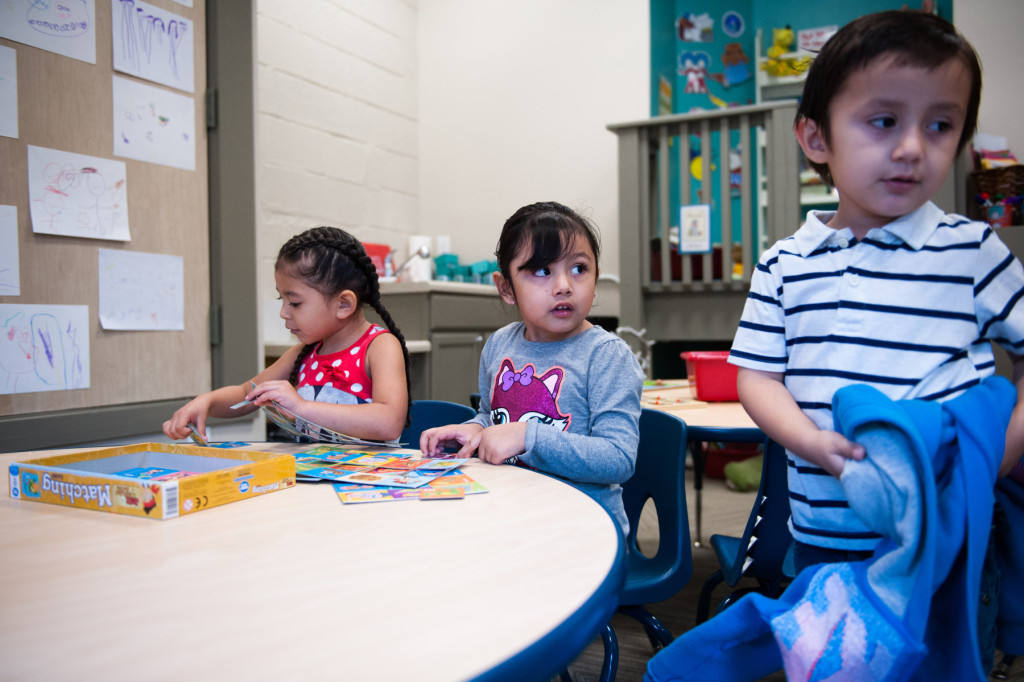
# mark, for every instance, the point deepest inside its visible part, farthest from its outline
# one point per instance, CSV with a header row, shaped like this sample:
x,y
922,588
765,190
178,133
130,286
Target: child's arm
x,y
772,407
381,419
217,403
1015,433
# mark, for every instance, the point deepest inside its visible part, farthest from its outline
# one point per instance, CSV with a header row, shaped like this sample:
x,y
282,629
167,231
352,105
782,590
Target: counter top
x,y
391,287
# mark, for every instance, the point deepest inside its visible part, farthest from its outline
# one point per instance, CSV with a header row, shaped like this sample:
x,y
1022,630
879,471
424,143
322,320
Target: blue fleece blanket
x,y
927,486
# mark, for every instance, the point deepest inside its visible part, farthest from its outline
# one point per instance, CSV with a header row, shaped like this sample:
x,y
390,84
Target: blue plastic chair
x,y
659,476
765,550
426,414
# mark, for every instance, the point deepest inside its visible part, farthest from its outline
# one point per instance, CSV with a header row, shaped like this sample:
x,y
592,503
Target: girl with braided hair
x,y
345,374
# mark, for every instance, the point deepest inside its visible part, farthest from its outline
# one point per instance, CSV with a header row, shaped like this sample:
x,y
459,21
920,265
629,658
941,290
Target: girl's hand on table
x,y
434,441
498,443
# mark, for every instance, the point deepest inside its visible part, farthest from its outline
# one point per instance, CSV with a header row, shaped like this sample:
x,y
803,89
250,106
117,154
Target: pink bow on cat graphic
x,y
509,378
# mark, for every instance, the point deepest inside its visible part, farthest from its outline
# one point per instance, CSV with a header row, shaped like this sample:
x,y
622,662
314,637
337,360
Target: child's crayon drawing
x,y
155,125
66,27
152,43
43,348
77,195
10,277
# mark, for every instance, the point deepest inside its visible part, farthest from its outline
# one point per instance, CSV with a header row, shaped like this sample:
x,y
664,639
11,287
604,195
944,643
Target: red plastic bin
x,y
711,377
378,253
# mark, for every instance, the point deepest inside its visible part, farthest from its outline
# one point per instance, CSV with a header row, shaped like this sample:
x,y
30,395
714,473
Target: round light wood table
x,y
509,584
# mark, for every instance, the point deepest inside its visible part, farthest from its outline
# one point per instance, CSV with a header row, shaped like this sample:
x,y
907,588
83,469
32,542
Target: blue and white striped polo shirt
x,y
909,310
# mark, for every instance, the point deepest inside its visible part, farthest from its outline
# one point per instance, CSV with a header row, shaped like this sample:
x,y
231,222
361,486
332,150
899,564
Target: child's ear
x,y
347,303
504,289
812,140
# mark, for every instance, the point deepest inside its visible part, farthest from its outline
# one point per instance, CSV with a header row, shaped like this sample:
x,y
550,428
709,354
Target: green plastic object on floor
x,y
744,475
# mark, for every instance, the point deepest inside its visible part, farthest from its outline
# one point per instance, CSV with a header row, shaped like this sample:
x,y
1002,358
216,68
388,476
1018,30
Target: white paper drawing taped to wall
x,y
43,348
10,272
66,27
152,43
77,195
141,291
153,124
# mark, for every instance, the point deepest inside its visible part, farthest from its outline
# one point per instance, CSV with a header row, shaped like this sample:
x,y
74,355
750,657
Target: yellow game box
x,y
154,480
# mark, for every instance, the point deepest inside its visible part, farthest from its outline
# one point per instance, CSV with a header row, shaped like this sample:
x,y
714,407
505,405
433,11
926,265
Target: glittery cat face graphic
x,y
519,396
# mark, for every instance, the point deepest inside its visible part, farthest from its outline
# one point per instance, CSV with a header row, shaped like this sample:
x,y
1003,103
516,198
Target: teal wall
x,y
708,48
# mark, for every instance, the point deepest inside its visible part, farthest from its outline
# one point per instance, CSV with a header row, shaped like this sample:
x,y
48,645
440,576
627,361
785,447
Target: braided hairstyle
x,y
331,260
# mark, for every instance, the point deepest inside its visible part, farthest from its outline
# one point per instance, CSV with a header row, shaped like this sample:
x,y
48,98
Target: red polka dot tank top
x,y
344,370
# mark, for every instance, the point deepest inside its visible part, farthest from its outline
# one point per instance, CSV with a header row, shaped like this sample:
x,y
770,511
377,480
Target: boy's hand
x,y
498,443
434,441
830,450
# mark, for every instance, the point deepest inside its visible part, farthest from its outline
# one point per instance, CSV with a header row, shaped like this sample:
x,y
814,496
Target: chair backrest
x,y
659,476
766,536
426,414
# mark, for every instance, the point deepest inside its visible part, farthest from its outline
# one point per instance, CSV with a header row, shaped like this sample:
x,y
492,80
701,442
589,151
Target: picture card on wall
x,y
152,43
10,278
155,125
67,27
77,195
8,91
43,348
141,291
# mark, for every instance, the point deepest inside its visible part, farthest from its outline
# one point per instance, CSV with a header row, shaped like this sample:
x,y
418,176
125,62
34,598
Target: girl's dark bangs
x,y
550,239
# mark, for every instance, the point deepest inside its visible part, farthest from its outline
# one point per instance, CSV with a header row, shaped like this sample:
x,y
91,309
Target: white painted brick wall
x,y
337,122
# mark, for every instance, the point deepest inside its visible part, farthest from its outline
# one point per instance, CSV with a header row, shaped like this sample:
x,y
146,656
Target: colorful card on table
x,y
447,486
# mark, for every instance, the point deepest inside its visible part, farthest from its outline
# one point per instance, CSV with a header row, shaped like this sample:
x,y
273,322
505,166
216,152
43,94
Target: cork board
x,y
66,104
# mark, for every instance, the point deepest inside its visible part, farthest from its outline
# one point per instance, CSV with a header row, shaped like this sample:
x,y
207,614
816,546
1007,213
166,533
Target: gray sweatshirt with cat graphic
x,y
580,398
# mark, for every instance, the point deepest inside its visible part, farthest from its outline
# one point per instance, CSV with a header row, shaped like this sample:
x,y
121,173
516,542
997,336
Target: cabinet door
x,y
455,364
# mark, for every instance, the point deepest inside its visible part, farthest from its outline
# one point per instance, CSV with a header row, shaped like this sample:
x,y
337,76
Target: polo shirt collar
x,y
913,229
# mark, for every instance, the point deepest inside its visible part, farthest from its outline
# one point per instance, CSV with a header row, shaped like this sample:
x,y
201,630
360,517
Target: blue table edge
x,y
552,653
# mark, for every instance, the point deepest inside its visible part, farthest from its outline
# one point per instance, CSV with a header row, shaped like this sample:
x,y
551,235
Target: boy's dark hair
x,y
913,38
546,229
331,260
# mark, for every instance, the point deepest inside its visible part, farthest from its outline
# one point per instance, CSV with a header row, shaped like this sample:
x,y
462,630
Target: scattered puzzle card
x,y
391,478
446,486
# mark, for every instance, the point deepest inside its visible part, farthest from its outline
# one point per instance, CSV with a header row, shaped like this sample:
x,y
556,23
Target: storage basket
x,y
710,375
1007,181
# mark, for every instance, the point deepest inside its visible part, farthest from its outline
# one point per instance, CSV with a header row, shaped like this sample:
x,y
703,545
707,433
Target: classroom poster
x,y
8,91
152,43
43,348
67,27
155,125
695,222
141,291
76,195
10,277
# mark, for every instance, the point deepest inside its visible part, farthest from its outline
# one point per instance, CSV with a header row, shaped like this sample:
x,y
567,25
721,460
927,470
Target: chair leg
x,y
704,602
731,598
658,635
611,654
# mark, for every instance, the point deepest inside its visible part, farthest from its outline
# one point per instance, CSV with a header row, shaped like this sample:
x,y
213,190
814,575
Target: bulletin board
x,y
66,104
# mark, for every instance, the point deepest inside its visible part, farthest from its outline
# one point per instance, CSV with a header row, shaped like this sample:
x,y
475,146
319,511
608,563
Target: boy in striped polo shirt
x,y
888,290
